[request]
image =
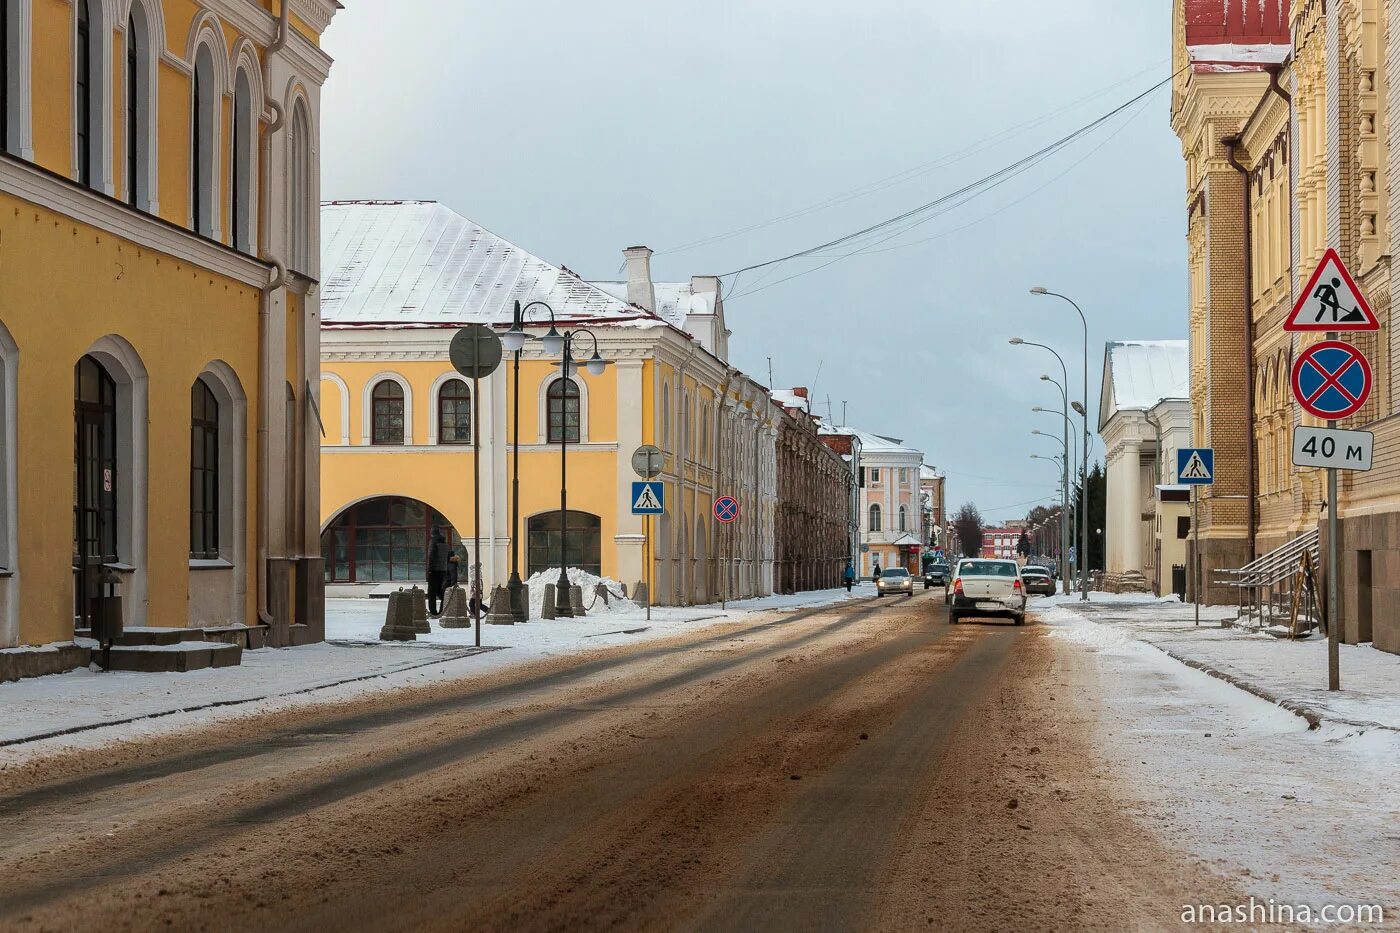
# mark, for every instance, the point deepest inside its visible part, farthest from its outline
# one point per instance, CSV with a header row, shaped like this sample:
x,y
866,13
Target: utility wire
x,y
907,174
987,182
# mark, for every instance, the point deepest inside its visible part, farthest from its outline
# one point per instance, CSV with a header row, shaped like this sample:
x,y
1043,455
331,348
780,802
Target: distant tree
x,y
968,526
1098,496
1023,547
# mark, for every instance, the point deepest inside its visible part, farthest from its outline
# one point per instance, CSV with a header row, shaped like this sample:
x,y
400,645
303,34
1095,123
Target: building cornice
x,y
44,189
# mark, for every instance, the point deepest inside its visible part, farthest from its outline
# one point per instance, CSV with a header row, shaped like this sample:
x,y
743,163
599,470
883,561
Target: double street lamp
x,y
562,346
1067,529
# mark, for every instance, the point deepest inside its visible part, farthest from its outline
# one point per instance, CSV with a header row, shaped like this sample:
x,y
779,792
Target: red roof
x,y
1237,22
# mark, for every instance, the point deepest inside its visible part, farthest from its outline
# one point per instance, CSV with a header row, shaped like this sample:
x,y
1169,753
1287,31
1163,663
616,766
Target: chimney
x,y
640,291
800,391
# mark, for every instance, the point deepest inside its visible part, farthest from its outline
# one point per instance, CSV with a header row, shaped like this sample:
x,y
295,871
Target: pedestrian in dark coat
x,y
439,562
454,567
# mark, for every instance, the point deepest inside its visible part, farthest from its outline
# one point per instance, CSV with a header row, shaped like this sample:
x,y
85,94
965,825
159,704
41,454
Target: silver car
x,y
896,581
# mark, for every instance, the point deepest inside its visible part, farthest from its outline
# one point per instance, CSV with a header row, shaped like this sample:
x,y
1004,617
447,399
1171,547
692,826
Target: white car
x,y
895,581
987,588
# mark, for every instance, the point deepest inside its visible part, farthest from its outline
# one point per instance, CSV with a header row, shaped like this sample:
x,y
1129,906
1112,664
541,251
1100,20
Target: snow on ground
x,y
1292,672
1295,815
94,708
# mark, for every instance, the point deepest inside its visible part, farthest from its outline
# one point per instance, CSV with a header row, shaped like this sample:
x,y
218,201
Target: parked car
x,y
1038,581
988,588
896,581
936,574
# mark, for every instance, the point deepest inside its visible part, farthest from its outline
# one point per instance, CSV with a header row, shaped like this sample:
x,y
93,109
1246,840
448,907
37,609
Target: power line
x,y
908,174
986,182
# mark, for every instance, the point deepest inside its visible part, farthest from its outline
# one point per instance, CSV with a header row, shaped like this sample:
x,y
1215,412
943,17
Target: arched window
x,y
7,74
665,416
95,500
563,412
300,194
83,97
874,517
204,472
454,413
204,110
242,146
388,424
133,122
903,518
583,547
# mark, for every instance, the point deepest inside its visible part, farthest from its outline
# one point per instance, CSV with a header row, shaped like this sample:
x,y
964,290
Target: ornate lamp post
x,y
562,344
514,341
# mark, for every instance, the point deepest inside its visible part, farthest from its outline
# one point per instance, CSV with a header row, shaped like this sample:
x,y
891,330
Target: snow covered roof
x,y
674,300
928,472
871,443
421,264
790,399
1140,373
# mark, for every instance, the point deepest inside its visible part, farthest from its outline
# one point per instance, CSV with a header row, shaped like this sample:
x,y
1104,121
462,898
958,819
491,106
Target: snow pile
x,y
586,581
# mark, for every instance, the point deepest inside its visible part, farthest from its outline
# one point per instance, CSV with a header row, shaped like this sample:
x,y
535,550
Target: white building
x,y
1144,418
891,508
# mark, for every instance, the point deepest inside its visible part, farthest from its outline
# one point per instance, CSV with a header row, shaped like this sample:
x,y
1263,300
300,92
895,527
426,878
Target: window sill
x,y
217,563
5,573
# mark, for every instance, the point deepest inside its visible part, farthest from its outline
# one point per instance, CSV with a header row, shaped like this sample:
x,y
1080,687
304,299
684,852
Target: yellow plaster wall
x,y
178,319
51,86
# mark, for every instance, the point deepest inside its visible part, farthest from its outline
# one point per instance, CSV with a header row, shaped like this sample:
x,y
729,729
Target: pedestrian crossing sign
x,y
1195,466
648,498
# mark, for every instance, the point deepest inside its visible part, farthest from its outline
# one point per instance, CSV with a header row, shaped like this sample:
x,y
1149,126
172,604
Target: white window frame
x,y
208,61
19,134
100,69
243,219
367,408
344,391
543,423
150,23
435,413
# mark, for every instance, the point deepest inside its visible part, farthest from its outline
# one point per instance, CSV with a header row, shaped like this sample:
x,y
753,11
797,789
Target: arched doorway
x,y
94,479
584,548
384,539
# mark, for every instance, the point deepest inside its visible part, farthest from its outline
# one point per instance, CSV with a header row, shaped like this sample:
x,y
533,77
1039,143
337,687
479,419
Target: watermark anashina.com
x,y
1270,912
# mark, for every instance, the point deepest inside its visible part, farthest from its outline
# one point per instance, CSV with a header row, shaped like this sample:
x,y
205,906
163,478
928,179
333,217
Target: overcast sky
x,y
576,129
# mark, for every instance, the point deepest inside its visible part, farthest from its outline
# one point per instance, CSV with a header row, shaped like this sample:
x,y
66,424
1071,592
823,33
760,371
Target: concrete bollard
x,y
547,611
455,611
576,601
398,620
420,610
640,595
600,591
500,613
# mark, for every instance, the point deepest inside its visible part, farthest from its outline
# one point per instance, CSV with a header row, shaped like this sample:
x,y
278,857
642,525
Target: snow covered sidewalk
x,y
86,709
1292,674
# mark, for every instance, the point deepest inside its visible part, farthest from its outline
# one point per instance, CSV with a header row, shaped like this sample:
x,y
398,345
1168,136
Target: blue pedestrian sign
x,y
1195,466
648,498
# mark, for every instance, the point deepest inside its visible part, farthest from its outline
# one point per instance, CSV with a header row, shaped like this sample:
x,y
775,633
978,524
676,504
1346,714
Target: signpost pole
x,y
1334,621
647,569
476,508
1196,551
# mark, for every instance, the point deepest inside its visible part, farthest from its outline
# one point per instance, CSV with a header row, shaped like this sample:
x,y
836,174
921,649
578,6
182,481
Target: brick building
x,y
1286,123
812,530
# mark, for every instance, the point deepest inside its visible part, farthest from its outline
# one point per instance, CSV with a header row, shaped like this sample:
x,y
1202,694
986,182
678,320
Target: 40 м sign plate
x,y
1332,448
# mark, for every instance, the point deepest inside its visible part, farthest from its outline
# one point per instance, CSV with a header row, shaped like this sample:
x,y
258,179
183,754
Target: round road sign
x,y
475,351
647,461
726,509
1331,380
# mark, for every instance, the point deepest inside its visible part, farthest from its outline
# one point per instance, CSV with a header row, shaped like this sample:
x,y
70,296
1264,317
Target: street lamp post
x,y
1067,533
561,344
1064,480
1084,461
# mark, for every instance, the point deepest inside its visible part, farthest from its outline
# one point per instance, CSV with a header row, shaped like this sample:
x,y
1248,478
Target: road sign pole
x,y
1334,621
1196,550
647,569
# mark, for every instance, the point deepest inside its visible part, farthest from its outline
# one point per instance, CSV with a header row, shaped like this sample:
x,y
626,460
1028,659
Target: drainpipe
x,y
721,572
682,448
1231,143
279,279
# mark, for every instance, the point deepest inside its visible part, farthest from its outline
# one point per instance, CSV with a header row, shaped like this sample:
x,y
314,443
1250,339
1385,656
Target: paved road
x,y
861,767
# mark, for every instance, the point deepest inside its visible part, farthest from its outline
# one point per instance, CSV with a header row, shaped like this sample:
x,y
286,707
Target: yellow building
x,y
1285,120
400,279
157,193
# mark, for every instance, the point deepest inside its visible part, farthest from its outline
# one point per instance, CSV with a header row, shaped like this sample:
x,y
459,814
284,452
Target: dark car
x,y
936,575
1038,581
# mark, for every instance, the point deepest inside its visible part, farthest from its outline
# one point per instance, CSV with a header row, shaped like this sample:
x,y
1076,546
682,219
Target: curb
x,y
1313,719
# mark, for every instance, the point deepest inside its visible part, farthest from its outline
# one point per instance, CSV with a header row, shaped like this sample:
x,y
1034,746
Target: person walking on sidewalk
x,y
849,576
439,563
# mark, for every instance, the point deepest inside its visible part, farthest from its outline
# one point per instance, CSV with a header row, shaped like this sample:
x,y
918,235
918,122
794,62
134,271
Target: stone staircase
x,y
153,649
